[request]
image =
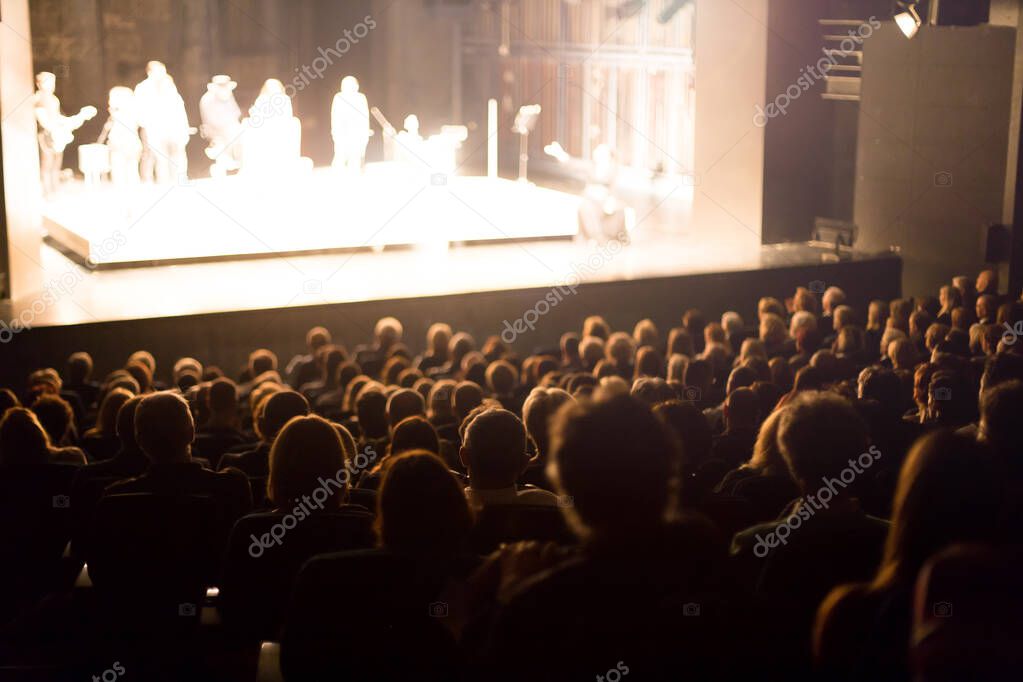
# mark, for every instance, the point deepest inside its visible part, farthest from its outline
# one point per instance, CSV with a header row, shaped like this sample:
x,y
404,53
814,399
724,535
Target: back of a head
x,y
616,460
371,409
404,403
537,411
597,326
652,390
691,428
307,450
223,396
1000,368
461,344
280,408
55,414
569,345
441,399
262,360
947,493
494,449
884,386
742,408
680,341
438,336
766,451
8,399
141,373
818,434
645,334
739,377
316,338
467,395
79,368
106,420
126,424
1000,410
23,441
591,350
772,329
163,426
699,374
388,331
421,509
414,433
649,362
501,377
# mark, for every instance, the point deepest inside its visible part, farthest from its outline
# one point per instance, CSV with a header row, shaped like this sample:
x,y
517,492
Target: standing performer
x,y
56,131
349,126
121,134
221,125
163,124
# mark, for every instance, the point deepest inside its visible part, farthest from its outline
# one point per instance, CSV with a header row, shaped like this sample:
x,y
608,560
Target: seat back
x,y
265,553
496,524
364,497
367,616
154,554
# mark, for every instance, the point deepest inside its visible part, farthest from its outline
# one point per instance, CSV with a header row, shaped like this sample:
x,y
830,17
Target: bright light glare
x,y
908,23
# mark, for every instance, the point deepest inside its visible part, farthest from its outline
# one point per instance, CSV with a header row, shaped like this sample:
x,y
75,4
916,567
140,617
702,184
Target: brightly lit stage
x,y
310,211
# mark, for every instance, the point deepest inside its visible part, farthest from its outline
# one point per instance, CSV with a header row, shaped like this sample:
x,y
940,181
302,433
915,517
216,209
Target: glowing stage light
x,y
908,21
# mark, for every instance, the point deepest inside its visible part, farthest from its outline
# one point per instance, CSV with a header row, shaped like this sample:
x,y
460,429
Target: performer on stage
x,y
121,135
273,136
56,131
221,125
601,213
349,126
163,124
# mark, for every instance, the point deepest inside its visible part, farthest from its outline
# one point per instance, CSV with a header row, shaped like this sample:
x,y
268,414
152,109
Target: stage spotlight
x,y
908,20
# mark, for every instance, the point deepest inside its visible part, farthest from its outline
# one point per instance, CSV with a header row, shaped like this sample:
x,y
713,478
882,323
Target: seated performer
x,y
55,130
221,125
163,124
349,126
121,135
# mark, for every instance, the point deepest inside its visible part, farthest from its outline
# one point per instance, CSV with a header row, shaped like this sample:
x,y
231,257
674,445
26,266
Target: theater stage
x,y
305,211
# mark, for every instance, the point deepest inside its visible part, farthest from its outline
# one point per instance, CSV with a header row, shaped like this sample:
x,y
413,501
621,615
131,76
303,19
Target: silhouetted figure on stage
x,y
221,125
56,131
121,135
163,124
349,126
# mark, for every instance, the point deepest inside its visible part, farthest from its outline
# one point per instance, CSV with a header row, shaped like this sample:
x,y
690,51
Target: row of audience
x,y
815,494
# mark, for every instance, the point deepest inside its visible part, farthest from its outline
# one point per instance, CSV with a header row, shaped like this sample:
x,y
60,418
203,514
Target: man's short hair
x,y
1000,409
404,403
494,449
617,461
316,337
371,409
223,395
467,395
262,360
501,377
742,407
280,408
163,426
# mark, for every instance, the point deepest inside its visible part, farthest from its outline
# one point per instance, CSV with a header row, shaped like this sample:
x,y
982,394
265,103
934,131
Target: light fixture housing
x,y
908,21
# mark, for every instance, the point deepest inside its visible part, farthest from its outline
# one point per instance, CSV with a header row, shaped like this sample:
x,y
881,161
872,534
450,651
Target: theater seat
x,y
367,616
729,513
364,497
151,557
496,524
259,571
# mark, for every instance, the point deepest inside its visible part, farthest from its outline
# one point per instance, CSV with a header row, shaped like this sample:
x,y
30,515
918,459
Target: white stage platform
x,y
315,211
